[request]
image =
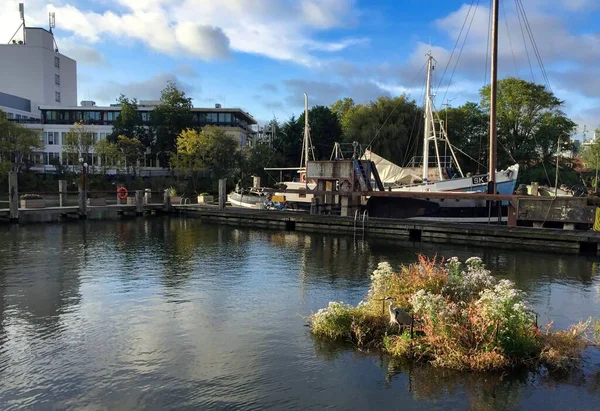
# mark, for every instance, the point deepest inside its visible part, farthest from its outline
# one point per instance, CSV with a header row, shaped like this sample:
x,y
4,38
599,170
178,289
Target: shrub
x,y
172,192
465,319
31,197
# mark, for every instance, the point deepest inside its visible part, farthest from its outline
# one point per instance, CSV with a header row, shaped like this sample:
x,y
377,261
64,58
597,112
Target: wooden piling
x,y
222,193
82,210
139,202
62,193
13,196
147,196
166,201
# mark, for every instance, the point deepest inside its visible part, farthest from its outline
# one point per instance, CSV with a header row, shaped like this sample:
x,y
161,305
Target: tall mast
x,y
304,157
427,131
493,91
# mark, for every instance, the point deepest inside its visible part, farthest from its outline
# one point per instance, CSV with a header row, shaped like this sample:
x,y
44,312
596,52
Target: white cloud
x,y
205,29
205,42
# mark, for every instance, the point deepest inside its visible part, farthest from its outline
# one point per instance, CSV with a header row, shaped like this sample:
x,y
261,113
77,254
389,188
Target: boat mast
x,y
306,142
427,131
493,95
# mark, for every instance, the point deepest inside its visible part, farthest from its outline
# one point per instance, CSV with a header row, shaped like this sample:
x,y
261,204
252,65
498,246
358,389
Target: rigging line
x,y
461,50
455,45
535,47
524,40
417,116
465,154
538,56
395,107
509,39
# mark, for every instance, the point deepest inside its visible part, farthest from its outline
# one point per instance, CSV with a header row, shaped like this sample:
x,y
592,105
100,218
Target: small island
x,y
452,315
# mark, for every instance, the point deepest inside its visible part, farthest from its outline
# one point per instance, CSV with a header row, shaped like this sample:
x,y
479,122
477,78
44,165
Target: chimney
x,y
217,105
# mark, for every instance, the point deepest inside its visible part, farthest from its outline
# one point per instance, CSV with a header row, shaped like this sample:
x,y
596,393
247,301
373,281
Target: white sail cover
x,y
391,173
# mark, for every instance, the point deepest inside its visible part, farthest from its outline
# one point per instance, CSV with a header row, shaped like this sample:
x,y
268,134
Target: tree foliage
x,y
129,122
108,154
78,143
209,150
530,122
590,154
132,150
325,130
17,143
390,125
172,116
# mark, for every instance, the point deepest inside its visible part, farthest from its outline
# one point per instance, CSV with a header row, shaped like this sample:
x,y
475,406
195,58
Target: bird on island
x,y
397,315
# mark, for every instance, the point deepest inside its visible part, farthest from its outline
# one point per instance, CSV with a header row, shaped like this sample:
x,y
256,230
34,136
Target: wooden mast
x,y
493,91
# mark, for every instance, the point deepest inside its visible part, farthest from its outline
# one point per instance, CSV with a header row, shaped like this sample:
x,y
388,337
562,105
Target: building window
x,y
225,118
91,116
56,62
52,138
10,116
112,115
53,158
212,118
57,79
19,117
57,96
145,116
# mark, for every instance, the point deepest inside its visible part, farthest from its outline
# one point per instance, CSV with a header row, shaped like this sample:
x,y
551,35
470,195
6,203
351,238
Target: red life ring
x,y
122,193
303,178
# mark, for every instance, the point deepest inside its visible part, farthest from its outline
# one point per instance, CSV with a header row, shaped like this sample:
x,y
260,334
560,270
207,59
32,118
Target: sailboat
x,y
494,182
435,132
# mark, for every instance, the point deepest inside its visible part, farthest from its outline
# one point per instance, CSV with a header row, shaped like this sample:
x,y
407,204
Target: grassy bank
x,y
464,319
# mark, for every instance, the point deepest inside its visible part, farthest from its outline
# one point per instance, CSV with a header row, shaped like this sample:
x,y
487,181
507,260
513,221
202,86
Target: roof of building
x,y
249,118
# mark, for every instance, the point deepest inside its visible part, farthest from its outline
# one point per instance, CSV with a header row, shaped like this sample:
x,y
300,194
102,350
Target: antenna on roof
x,y
22,16
51,21
51,25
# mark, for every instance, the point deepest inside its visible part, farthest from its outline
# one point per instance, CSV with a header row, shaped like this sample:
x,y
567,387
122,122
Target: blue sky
x,y
261,55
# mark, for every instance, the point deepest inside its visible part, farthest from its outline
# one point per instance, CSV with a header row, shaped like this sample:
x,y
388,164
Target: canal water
x,y
176,314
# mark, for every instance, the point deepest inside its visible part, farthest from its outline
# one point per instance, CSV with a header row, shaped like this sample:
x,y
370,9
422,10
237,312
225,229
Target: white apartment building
x,y
55,122
35,73
38,88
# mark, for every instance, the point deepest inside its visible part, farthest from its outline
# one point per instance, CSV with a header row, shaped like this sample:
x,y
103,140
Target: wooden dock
x,y
541,239
74,211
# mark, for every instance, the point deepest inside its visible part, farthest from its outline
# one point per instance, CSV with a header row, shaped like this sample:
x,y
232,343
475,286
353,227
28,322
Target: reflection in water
x,y
166,313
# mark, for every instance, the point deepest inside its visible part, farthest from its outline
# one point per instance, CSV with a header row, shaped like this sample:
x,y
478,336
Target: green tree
x,y
530,122
170,118
129,122
210,150
108,153
467,127
325,130
590,155
392,126
253,161
344,109
17,144
288,143
132,150
78,143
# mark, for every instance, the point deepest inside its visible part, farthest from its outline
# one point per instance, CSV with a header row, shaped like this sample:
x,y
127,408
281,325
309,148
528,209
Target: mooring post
x,y
13,196
62,193
82,210
147,196
119,201
222,193
166,201
139,202
255,181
